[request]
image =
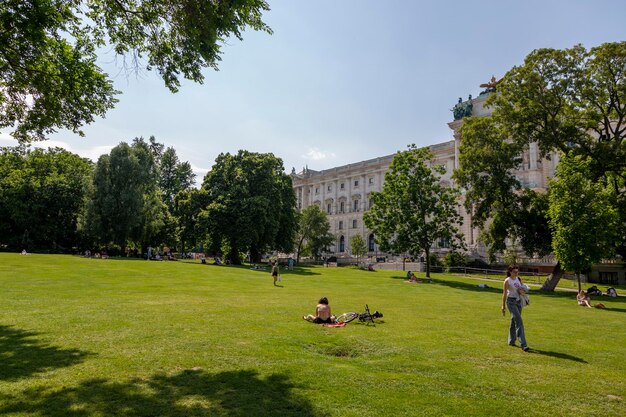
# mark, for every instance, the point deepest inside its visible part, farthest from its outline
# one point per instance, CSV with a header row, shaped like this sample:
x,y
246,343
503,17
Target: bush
x,y
451,259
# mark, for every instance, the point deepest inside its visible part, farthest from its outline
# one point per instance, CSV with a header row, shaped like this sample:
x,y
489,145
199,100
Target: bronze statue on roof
x,y
490,87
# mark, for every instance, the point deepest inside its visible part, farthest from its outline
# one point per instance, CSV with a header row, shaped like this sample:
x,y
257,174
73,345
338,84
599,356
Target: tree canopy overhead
x,y
49,79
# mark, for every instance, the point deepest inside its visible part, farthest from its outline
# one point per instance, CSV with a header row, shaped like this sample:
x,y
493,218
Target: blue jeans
x,y
516,329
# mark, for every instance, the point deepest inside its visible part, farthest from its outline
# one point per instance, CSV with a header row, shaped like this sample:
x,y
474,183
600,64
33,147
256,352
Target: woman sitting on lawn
x,y
584,301
411,276
322,313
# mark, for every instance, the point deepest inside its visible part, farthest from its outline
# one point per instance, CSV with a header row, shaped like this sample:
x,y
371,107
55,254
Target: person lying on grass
x,y
322,313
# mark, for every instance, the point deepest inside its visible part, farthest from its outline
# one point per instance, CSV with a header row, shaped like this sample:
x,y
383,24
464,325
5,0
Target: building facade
x,y
344,192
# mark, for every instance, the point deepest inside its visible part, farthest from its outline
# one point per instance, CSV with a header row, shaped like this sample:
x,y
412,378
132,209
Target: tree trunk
x,y
233,256
299,249
427,263
578,278
553,279
255,256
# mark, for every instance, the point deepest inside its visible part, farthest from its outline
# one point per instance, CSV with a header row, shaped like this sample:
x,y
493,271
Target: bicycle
x,y
365,316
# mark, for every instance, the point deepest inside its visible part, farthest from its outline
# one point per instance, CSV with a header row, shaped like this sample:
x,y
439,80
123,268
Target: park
x,y
138,275
121,337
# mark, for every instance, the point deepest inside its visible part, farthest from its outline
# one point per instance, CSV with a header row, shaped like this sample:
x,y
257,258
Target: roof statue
x,y
490,87
463,109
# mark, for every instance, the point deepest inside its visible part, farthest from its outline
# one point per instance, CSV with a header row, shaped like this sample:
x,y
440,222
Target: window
x,y
444,243
317,190
340,224
608,278
371,180
330,188
370,203
328,208
356,183
354,224
342,186
356,205
370,243
341,207
342,244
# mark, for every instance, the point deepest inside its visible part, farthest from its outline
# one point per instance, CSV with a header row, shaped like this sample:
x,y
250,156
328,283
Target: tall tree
x,y
499,205
584,220
250,205
124,184
357,245
174,177
189,203
313,231
41,198
48,71
572,102
414,209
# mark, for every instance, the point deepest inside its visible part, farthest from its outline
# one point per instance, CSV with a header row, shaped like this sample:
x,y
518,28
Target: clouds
x,y
90,152
315,154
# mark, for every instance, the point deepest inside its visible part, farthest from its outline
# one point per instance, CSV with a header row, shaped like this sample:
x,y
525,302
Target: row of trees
x,y
55,200
141,195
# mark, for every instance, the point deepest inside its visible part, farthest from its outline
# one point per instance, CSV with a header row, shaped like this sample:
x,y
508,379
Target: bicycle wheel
x,y
346,317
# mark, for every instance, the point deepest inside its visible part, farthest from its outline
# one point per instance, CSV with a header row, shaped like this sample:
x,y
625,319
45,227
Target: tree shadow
x,y
188,393
466,286
22,355
557,355
298,270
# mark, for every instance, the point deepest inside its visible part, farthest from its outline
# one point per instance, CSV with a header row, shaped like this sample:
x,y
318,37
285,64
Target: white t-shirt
x,y
514,285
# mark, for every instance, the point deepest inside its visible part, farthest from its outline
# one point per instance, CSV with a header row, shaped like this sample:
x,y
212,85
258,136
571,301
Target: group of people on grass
x,y
584,299
514,298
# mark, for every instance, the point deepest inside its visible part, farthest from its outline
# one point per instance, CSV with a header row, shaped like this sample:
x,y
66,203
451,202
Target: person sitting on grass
x,y
411,276
593,291
322,313
584,301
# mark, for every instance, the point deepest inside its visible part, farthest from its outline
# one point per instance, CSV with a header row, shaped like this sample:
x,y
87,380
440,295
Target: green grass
x,y
90,337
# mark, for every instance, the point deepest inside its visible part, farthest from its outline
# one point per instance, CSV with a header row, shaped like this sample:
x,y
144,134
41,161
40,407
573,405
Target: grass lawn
x,y
92,337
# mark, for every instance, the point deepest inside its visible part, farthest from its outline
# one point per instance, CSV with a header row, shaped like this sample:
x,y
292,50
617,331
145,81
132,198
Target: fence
x,y
497,274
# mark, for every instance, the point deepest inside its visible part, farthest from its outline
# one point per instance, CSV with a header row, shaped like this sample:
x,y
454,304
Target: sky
x,y
339,82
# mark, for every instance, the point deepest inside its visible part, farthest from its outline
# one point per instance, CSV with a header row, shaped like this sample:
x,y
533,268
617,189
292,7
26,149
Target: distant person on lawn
x,y
275,271
322,313
584,300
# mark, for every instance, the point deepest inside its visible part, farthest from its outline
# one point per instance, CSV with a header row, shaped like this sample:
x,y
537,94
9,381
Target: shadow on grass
x,y
557,355
465,286
298,270
188,393
22,355
619,310
534,293
261,269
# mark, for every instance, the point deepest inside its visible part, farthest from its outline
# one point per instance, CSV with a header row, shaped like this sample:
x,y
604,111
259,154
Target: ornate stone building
x,y
344,192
